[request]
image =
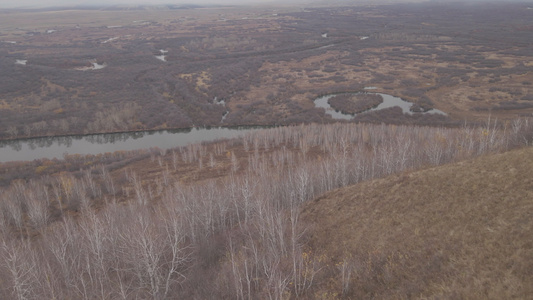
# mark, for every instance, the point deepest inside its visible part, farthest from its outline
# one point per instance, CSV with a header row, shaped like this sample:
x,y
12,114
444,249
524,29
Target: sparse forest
x,y
209,221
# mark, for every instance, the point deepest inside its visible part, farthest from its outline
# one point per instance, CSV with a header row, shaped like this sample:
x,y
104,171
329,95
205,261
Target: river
x,y
388,101
56,147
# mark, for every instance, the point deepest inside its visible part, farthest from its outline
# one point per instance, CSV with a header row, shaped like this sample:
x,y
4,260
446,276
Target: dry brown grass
x,y
459,231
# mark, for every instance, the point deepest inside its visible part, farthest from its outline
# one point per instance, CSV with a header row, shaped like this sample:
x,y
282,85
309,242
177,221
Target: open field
x,y
262,65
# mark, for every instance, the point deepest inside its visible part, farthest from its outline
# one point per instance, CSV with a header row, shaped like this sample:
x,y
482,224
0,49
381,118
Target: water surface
x,y
388,101
56,147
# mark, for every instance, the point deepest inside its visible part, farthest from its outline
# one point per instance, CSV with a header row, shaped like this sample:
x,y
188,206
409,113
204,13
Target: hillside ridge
x,y
453,231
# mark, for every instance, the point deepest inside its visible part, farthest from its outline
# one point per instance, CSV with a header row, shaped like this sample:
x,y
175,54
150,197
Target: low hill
x,y
459,231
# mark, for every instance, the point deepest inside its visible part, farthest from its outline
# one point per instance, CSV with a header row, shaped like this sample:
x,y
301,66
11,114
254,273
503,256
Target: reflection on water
x,y
56,147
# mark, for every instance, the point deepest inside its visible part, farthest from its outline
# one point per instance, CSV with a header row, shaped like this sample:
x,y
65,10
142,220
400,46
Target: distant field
x,y
257,65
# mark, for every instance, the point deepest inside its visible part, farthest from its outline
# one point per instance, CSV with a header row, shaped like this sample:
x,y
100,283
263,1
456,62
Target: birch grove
x,y
236,236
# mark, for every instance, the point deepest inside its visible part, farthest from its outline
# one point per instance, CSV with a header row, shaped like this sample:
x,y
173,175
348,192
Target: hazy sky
x,y
46,3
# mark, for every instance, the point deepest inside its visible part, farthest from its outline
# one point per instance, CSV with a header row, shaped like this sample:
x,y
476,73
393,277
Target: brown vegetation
x,y
210,221
263,66
355,103
236,219
456,231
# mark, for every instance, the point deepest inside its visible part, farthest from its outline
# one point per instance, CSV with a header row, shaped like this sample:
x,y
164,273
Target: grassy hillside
x,y
459,231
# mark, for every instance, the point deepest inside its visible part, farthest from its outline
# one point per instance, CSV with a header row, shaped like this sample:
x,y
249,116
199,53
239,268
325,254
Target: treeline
x,y
123,235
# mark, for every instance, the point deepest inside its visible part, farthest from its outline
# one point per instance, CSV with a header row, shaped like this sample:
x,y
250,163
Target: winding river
x,y
56,147
388,101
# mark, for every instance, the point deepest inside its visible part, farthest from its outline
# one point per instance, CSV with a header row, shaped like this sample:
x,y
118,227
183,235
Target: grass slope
x,y
459,231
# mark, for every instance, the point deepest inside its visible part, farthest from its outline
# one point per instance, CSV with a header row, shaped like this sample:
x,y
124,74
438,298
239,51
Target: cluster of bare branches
x,y
238,236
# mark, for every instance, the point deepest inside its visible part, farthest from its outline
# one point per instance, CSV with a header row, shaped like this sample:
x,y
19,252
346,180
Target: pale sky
x,y
47,3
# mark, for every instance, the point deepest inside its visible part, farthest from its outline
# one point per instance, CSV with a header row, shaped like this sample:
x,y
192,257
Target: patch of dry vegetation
x,y
356,103
268,66
454,231
223,220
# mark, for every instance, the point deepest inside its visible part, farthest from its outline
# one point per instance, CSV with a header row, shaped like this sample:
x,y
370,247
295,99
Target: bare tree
x,y
18,260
